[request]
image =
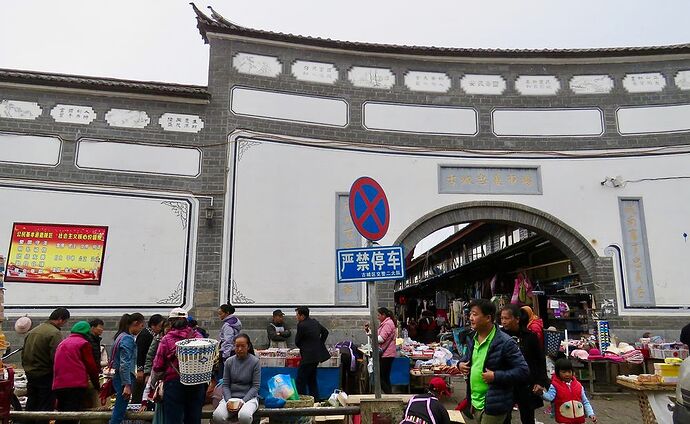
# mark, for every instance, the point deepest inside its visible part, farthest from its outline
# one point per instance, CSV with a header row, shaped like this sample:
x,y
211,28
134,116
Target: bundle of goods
x,y
669,370
642,379
668,350
621,353
293,358
418,352
334,361
446,370
274,357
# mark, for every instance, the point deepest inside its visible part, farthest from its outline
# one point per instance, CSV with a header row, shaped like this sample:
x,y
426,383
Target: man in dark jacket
x,y
494,365
96,328
278,333
311,340
526,395
38,357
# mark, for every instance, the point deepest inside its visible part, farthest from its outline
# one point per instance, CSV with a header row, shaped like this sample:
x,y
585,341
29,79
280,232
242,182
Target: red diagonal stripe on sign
x,y
371,205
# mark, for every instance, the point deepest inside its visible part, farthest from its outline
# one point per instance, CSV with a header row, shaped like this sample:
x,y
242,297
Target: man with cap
x,y
426,408
37,358
73,368
278,333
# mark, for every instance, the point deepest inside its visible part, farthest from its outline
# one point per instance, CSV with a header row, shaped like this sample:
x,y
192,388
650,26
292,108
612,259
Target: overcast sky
x,y
158,40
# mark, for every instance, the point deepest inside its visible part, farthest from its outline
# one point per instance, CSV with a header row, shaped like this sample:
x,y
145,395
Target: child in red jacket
x,y
570,404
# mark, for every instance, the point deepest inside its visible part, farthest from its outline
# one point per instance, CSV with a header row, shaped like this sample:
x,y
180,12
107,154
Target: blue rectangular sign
x,y
380,263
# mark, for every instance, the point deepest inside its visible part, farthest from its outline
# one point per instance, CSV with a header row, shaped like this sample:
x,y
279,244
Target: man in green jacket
x,y
37,358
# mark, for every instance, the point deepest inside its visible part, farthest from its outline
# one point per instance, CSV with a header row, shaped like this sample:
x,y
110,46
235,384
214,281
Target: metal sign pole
x,y
374,326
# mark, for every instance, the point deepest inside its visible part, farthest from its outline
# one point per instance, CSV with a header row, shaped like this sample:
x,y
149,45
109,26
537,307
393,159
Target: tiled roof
x,y
216,23
104,84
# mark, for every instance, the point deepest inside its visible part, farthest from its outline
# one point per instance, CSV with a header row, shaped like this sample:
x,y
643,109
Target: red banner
x,y
56,253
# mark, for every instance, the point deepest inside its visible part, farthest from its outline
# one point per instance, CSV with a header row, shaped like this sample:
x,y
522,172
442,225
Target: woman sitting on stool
x,y
241,380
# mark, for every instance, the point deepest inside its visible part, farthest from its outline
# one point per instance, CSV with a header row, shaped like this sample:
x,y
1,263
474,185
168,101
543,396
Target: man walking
x,y
278,333
527,395
311,340
494,364
38,357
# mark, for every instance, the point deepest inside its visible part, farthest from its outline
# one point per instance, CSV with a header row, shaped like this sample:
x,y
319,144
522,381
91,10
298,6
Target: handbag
x,y
107,389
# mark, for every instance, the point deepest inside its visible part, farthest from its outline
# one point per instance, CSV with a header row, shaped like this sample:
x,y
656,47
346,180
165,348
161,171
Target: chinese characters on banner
x,y
489,180
371,264
639,287
347,237
54,253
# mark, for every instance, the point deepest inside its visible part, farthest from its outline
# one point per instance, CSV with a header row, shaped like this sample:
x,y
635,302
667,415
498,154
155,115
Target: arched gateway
x,y
567,239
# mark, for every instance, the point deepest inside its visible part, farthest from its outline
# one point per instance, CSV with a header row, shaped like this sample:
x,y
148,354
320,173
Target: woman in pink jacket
x,y
386,333
73,367
181,403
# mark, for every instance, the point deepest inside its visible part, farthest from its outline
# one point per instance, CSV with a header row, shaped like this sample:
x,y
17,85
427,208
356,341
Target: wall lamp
x,y
209,211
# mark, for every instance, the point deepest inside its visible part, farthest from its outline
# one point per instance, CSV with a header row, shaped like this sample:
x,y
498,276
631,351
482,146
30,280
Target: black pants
x,y
526,406
386,366
306,376
71,399
39,393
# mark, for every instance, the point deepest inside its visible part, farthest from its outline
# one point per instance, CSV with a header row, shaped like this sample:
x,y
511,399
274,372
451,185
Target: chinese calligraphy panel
x,y
651,82
371,77
639,287
489,180
322,73
490,85
433,82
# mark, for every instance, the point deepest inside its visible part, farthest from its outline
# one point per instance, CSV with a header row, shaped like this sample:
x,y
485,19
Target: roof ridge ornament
x,y
200,15
220,19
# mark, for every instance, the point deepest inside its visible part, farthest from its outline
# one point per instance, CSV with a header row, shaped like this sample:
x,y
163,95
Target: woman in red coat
x,y
534,324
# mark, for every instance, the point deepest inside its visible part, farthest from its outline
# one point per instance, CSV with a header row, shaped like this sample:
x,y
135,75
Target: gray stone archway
x,y
567,239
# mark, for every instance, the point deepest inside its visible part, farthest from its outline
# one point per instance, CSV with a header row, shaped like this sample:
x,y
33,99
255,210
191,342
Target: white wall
x,y
284,228
146,264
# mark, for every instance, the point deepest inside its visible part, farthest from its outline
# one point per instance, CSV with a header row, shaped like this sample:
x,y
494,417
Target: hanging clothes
x,y
522,291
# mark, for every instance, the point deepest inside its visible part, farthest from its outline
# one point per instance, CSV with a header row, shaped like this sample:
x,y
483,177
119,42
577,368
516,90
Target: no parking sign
x,y
369,208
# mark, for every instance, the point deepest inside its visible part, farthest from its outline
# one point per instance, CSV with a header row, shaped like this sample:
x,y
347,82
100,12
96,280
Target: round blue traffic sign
x,y
369,208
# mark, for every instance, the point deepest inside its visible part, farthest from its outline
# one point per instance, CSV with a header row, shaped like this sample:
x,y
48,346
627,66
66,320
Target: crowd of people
x,y
64,374
504,366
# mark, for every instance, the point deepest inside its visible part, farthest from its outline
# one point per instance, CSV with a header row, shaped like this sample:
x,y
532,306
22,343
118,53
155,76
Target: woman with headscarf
x,y
73,368
534,324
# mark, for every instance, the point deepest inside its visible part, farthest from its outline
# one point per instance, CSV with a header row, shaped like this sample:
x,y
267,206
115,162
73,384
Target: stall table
x,y
607,364
644,392
328,379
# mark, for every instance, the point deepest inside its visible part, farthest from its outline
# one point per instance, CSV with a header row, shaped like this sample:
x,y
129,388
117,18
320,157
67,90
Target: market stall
x,y
276,361
652,394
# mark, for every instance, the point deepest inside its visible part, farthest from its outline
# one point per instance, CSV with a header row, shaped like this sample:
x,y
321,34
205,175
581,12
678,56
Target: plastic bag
x,y
281,386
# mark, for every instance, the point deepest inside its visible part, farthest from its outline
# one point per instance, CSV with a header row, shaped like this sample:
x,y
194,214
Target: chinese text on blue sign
x,y
371,264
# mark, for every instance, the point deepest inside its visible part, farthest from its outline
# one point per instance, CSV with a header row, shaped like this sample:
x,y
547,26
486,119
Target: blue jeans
x,y
182,404
121,403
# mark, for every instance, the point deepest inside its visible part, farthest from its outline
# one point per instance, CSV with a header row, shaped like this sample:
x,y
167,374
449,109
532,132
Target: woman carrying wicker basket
x,y
181,403
241,381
